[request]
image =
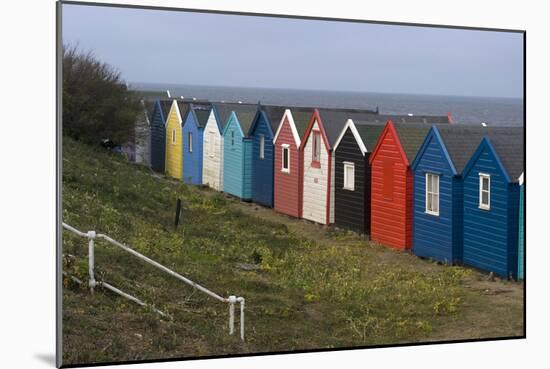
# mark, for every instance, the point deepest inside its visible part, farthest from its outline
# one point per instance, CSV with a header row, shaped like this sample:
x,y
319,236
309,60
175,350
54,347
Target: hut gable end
x,y
174,151
212,172
350,196
288,184
435,232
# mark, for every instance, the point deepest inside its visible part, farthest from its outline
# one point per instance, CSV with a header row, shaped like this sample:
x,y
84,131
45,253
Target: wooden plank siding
x,y
434,236
158,139
174,148
212,166
262,181
192,170
237,161
247,169
232,158
490,236
391,199
287,186
316,186
351,206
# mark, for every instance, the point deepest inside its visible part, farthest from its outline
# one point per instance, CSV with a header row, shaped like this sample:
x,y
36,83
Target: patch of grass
x,y
332,290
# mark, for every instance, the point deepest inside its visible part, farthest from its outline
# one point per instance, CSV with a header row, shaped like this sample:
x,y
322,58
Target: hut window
x,y
432,194
262,146
286,159
190,141
387,181
232,138
484,191
173,137
316,147
349,176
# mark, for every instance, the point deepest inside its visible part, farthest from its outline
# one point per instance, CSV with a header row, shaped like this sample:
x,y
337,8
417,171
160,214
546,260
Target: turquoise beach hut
x,y
237,151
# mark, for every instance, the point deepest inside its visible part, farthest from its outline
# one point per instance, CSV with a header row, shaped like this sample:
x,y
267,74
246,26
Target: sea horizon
x,y
500,111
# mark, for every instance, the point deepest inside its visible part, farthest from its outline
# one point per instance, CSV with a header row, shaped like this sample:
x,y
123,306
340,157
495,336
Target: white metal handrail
x,y
92,283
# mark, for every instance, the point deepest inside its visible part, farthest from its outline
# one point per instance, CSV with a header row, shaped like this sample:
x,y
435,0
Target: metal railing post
x,y
242,317
232,300
91,260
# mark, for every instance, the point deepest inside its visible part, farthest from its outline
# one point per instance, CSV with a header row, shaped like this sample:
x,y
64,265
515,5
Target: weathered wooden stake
x,y
178,212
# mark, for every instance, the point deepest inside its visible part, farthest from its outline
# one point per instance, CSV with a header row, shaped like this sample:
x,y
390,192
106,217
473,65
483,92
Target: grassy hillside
x,y
306,286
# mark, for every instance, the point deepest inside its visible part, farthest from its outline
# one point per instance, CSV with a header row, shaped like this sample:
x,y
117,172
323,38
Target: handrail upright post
x,y
91,260
232,300
242,318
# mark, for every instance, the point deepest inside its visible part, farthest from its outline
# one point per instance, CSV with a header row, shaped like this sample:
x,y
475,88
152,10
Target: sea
x,y
493,111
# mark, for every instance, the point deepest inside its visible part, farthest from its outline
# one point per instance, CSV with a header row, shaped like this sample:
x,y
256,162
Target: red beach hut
x,y
287,189
392,183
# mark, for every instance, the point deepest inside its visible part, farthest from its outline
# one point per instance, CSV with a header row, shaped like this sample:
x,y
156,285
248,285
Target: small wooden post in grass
x,y
178,212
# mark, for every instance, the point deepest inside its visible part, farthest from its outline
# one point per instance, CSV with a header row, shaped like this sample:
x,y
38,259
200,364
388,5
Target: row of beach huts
x,y
449,192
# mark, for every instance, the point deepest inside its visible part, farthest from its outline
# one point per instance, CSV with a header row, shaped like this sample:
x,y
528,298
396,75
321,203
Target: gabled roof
x,y
411,136
365,135
182,107
274,115
223,111
245,114
297,127
301,116
241,110
508,143
461,142
369,133
334,120
165,105
201,113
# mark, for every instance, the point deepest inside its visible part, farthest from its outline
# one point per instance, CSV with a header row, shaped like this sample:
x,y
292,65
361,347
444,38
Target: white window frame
x,y
283,148
483,206
348,165
173,136
434,195
190,141
262,147
316,154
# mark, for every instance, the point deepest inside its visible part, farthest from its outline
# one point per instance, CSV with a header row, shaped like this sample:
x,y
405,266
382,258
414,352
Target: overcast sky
x,y
231,50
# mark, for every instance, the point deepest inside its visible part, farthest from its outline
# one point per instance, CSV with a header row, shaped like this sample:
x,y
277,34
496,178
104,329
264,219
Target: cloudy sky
x,y
230,50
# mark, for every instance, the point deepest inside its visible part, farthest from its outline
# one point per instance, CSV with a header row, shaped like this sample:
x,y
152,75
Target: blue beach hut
x,y
237,149
491,203
158,134
437,194
193,130
262,132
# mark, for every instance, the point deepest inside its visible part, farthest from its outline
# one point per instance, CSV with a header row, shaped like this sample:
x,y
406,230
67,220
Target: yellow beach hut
x,y
174,139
